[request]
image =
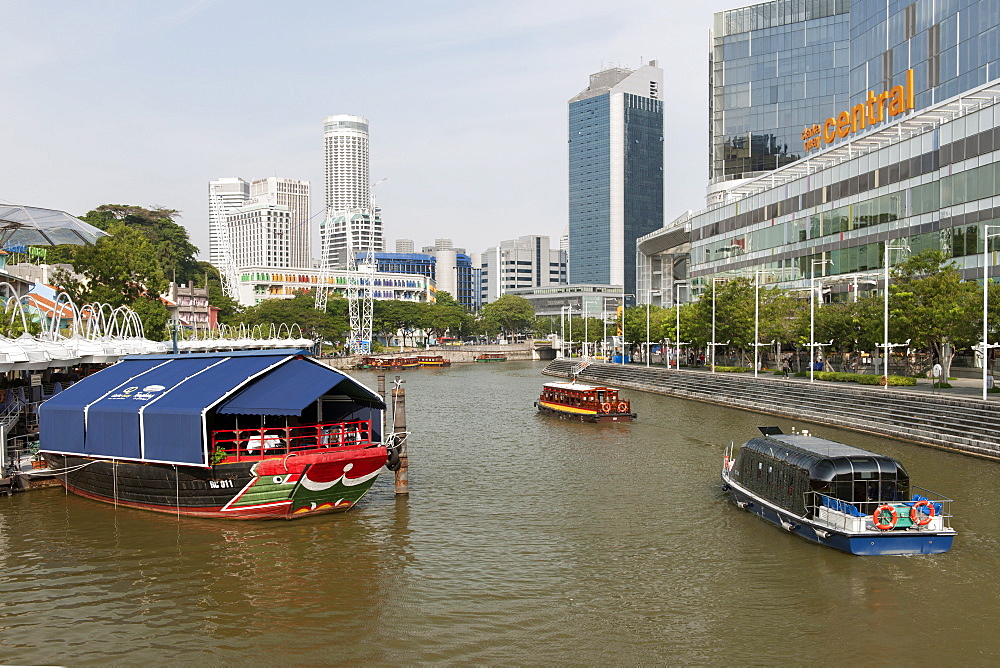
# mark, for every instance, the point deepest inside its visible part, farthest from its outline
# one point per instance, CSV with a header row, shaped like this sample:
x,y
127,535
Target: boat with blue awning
x,y
241,435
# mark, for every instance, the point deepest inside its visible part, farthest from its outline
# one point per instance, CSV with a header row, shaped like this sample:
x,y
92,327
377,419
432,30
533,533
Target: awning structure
x,y
293,386
152,407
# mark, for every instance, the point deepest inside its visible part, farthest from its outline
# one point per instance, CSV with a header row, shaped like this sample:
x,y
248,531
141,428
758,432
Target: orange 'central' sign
x,y
898,100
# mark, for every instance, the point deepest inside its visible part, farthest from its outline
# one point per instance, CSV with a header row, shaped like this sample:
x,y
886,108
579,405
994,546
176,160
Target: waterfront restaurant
x,y
926,180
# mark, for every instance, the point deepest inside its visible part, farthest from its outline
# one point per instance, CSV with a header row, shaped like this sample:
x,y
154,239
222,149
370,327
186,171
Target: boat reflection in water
x,y
836,495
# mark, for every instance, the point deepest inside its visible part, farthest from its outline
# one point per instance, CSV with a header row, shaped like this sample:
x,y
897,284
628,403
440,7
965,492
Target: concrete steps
x,y
961,424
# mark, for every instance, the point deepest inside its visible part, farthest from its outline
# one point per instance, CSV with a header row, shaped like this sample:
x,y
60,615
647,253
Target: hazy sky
x,y
146,102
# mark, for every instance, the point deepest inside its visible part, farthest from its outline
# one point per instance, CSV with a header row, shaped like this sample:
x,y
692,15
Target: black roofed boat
x,y
241,435
836,495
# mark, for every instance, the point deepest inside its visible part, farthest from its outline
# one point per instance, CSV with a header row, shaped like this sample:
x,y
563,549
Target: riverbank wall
x,y
454,354
959,424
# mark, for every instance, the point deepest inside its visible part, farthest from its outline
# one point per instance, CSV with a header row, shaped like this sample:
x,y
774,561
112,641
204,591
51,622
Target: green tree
x,y
507,315
300,310
445,316
123,270
173,247
393,315
930,305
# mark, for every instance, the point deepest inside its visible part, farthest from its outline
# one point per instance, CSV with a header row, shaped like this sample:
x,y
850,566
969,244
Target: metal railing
x,y
857,515
263,442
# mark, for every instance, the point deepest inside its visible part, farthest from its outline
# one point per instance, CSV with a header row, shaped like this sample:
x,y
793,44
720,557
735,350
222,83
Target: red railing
x,y
273,441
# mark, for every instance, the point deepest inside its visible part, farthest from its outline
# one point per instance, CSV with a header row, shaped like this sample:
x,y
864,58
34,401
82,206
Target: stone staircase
x,y
954,423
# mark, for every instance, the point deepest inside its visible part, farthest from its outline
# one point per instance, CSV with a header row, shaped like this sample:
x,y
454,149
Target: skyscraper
x,y
225,196
344,234
615,173
345,163
294,195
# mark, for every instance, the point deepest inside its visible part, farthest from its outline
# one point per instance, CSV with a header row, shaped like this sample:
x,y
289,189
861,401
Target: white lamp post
x,y
714,343
812,317
886,346
756,318
986,302
677,330
622,323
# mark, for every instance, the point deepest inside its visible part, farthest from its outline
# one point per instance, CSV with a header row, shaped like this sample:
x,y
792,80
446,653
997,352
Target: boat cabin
x,y
579,395
800,472
202,409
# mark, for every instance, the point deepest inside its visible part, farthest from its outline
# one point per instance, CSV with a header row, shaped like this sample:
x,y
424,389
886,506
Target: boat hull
x,y
883,543
286,487
583,416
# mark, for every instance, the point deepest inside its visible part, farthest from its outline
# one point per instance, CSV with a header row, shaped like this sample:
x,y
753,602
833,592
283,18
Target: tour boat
x,y
433,360
587,403
836,495
238,435
491,357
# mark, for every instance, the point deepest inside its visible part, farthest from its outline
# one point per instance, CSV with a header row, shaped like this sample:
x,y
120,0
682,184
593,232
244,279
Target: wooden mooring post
x,y
399,427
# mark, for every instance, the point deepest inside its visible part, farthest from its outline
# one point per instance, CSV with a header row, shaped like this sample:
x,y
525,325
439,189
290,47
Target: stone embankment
x,y
954,423
455,354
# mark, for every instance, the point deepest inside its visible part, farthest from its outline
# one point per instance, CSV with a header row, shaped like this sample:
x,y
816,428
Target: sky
x,y
144,103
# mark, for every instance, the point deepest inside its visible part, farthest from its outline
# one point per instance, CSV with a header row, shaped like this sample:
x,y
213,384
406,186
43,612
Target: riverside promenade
x,y
954,419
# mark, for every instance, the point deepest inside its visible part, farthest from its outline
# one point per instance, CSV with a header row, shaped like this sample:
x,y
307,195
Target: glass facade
x,y
615,173
934,186
773,69
951,45
590,190
781,66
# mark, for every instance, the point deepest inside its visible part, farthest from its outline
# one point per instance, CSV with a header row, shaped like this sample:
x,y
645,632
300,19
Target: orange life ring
x,y
884,380
922,519
878,517
622,407
605,408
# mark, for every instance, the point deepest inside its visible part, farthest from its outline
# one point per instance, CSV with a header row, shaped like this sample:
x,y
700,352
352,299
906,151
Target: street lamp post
x,y
714,343
622,325
562,330
986,302
886,346
677,330
812,317
756,318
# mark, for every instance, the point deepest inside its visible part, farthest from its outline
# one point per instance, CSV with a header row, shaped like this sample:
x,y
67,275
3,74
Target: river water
x,y
525,540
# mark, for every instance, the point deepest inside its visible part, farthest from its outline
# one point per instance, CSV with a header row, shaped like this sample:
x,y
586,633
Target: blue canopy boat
x,y
240,435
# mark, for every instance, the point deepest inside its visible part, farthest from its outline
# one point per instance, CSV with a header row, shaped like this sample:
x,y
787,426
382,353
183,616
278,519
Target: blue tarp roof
x,y
152,407
293,386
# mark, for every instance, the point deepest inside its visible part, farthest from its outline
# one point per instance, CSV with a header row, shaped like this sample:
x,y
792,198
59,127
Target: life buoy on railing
x,y
922,519
605,407
880,514
622,407
884,380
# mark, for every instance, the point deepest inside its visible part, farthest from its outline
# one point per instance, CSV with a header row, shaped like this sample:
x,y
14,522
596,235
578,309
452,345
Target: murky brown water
x,y
525,540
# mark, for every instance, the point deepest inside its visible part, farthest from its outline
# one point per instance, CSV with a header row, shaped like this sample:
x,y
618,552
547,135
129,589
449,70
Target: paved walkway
x,y
967,388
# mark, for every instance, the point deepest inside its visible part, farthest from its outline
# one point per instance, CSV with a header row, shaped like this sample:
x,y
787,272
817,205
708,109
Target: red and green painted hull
x,y
285,487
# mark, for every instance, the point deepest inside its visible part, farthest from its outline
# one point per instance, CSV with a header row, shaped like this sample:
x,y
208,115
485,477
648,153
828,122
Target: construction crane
x,y
360,287
228,272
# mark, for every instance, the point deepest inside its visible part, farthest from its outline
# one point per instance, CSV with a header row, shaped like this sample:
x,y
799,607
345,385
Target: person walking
x,y
785,366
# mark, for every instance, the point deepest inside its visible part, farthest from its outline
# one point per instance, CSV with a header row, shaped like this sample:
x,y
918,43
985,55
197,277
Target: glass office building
x,y
615,173
423,264
773,68
910,158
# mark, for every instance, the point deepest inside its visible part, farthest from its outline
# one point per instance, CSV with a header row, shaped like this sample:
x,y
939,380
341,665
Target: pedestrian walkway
x,y
955,419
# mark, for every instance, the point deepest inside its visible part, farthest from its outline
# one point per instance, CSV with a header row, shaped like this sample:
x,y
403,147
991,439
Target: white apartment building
x,y
525,262
294,195
260,234
345,163
225,196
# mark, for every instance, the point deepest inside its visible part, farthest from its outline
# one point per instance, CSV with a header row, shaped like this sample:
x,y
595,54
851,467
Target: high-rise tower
x,y
225,196
615,173
294,195
345,163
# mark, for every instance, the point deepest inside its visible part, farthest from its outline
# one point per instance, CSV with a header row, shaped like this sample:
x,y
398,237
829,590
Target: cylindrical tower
x,y
345,162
